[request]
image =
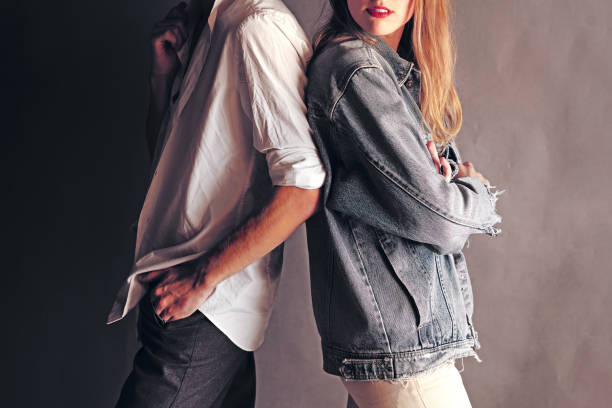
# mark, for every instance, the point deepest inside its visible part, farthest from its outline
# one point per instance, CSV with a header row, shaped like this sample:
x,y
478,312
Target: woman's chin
x,y
378,31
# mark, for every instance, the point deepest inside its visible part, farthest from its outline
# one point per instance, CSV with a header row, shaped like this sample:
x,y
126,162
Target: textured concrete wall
x,y
534,77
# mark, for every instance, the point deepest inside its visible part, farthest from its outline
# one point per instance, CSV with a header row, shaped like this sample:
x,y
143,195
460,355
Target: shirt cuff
x,y
297,167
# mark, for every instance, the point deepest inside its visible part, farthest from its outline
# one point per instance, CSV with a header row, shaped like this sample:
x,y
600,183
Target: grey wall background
x,y
534,77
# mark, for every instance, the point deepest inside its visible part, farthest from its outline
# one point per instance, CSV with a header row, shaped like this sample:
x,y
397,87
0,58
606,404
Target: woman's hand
x,y
439,162
466,169
168,37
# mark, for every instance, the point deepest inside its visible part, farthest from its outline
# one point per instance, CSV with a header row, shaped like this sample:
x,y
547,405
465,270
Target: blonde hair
x,y
433,47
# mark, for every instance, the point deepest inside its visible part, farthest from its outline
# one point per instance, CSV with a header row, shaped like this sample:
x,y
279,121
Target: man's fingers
x,y
170,277
160,289
175,24
170,34
178,10
162,305
150,276
447,172
167,315
172,37
431,146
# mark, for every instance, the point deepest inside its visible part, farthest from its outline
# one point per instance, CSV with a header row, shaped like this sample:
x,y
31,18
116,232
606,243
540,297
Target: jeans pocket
x,y
183,322
148,311
188,321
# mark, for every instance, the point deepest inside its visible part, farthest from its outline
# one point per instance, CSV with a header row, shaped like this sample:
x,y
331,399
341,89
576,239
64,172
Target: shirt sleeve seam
x,y
269,16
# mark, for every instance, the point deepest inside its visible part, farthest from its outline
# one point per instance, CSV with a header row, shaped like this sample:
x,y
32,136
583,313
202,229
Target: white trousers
x,y
440,388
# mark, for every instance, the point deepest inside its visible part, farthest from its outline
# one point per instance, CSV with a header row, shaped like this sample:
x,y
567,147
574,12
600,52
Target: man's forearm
x,y
160,99
288,209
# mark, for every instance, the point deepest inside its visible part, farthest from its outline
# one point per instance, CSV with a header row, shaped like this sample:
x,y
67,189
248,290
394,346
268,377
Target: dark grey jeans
x,y
187,363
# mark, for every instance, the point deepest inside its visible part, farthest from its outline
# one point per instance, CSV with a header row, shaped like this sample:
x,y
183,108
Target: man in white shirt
x,y
234,173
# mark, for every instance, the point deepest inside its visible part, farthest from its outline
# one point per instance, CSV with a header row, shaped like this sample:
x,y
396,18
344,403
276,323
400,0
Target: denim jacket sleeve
x,y
386,177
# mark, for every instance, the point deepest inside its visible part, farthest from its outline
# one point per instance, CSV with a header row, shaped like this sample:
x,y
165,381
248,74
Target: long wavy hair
x,y
426,38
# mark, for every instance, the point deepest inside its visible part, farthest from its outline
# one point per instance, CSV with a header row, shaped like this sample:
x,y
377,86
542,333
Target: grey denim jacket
x,y
390,287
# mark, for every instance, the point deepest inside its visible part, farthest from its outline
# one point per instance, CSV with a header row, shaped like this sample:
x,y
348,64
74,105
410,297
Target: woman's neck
x,y
394,38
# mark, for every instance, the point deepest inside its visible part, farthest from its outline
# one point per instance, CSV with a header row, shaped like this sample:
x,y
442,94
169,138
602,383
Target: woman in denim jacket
x,y
390,286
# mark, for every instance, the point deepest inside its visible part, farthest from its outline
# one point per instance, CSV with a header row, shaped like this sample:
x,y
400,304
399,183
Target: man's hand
x,y
168,37
178,291
466,169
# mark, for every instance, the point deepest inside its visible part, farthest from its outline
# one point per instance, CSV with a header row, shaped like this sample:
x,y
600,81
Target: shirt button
x,y
410,84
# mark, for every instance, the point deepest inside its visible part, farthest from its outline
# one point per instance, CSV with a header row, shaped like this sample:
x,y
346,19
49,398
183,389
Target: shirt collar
x,y
212,18
194,11
401,67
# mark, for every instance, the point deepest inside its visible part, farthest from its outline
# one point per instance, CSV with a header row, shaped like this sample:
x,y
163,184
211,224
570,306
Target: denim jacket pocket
x,y
465,284
405,259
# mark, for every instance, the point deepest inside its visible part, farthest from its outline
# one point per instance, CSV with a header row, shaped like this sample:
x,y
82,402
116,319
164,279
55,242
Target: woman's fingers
x,y
484,180
447,172
441,164
431,146
466,169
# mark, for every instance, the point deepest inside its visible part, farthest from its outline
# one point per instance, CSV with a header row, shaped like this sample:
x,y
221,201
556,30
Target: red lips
x,y
379,12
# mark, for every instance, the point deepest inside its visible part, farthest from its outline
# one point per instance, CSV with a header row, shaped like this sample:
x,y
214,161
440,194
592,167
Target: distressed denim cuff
x,y
492,194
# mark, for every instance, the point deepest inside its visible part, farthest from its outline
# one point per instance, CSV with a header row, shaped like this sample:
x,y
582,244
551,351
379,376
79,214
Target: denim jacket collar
x,y
401,67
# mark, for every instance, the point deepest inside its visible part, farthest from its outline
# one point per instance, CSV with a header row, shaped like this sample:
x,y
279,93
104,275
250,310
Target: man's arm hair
x,y
287,210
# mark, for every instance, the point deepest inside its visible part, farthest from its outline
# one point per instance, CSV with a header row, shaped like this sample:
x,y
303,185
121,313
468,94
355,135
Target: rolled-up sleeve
x,y
272,52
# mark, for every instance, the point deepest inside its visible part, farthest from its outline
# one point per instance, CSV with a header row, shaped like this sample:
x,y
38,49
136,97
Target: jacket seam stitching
x,y
346,84
392,176
382,238
445,295
331,289
402,355
406,188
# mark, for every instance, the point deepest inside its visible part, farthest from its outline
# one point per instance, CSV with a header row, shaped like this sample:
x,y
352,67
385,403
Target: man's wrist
x,y
205,279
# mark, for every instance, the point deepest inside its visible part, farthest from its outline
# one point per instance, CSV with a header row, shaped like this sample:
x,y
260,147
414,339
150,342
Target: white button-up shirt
x,y
236,129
